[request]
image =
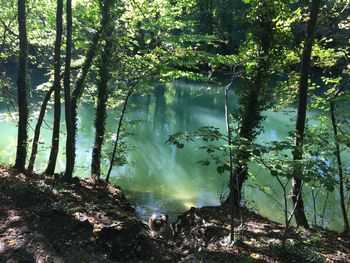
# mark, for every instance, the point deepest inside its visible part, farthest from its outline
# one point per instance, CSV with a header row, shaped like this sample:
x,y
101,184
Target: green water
x,y
160,177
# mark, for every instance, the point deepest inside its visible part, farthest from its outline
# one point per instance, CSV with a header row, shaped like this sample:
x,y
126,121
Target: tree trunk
x,y
102,87
67,95
78,91
100,119
340,168
57,95
121,118
230,160
252,96
22,88
80,83
101,114
37,130
300,216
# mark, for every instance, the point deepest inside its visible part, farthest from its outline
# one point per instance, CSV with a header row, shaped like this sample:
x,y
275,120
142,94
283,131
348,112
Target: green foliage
x,y
316,169
261,57
314,239
209,139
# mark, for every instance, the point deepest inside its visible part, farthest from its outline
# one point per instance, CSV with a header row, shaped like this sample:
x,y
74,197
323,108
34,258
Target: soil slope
x,y
47,220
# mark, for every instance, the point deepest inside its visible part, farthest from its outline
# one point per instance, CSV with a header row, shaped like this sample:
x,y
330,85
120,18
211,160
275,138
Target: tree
x,y
120,122
252,93
102,87
80,82
333,59
22,88
300,216
57,91
78,91
37,129
67,94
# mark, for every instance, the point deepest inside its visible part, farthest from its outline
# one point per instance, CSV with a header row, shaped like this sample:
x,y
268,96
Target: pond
x,y
161,178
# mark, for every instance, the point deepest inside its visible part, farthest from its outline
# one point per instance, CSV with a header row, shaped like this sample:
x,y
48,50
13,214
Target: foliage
x,y
316,169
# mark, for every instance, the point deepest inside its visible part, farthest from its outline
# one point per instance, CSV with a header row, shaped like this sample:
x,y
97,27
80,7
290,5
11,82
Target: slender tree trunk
x,y
300,216
284,238
314,196
230,159
324,209
121,118
57,95
102,87
22,88
340,168
37,130
67,95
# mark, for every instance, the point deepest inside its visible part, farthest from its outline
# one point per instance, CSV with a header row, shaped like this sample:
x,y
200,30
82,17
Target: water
x,y
159,177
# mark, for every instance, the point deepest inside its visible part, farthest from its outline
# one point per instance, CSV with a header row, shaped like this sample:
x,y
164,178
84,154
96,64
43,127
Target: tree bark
x,y
340,168
78,91
67,95
22,85
300,216
102,87
252,96
230,160
57,92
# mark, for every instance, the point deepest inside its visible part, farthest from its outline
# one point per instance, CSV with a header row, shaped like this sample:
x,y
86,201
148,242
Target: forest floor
x,y
45,220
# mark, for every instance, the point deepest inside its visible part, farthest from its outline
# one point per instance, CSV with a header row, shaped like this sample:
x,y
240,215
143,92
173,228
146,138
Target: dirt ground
x,y
46,220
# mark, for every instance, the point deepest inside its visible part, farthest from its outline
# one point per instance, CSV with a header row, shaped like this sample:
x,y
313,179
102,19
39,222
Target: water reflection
x,y
163,177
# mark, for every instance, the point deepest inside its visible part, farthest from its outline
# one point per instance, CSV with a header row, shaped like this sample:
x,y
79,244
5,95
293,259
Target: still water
x,y
159,177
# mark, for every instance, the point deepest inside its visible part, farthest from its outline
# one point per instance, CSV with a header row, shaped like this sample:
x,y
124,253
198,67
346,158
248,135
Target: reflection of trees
x,y
175,107
159,118
158,167
147,106
182,115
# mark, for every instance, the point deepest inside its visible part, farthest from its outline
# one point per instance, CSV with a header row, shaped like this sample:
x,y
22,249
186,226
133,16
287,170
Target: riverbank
x,y
45,220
